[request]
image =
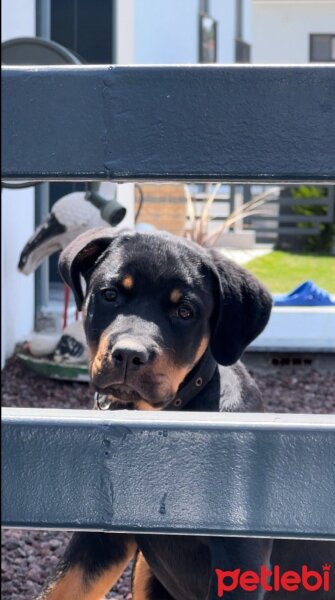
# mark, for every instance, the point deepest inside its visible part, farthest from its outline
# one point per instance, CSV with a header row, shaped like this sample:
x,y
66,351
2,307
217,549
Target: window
x,y
322,47
86,27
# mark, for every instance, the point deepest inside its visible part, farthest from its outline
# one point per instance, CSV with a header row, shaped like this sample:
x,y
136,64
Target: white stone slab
x,y
307,328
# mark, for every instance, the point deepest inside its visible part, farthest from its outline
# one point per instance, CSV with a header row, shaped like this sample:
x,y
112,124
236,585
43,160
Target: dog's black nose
x,y
130,353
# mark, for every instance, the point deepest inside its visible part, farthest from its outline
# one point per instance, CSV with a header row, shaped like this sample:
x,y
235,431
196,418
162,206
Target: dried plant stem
x,y
197,229
245,210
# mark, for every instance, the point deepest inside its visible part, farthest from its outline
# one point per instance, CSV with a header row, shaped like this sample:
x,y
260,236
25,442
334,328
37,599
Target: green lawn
x,y
283,271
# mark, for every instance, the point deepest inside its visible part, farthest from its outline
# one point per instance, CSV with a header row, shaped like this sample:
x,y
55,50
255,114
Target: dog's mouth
x,y
125,393
122,392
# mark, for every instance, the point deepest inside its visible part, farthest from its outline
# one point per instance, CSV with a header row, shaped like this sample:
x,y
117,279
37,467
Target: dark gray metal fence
x,y
231,474
263,124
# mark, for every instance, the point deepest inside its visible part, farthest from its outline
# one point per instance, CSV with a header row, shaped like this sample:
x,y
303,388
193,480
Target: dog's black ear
x,y
242,309
80,255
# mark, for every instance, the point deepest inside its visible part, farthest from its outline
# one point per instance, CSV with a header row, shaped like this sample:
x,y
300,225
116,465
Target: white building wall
x,y
281,28
124,15
167,32
18,210
224,13
18,18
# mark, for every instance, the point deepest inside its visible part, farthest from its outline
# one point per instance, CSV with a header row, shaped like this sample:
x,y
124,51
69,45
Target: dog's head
x,y
153,304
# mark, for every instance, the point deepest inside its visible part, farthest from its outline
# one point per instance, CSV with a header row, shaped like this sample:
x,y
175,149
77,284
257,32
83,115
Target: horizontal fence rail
x,y
228,123
224,474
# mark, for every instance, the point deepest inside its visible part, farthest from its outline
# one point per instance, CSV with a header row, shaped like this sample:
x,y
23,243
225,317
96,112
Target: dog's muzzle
x,y
199,377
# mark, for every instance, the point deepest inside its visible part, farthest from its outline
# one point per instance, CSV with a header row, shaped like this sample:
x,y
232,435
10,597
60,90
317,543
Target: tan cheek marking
x,y
202,348
175,375
143,405
72,586
141,579
175,296
178,375
128,282
99,356
92,350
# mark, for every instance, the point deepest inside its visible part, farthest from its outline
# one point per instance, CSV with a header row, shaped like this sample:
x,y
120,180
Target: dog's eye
x,y
185,311
110,294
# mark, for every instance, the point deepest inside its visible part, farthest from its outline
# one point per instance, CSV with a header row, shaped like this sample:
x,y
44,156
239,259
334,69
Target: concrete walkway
x,y
242,257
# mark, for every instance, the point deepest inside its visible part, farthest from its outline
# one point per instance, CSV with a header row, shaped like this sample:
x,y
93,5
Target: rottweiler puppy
x,y
166,322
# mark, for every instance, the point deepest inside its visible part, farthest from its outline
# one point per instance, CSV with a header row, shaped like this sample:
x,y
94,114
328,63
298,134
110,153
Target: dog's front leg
x,y
92,564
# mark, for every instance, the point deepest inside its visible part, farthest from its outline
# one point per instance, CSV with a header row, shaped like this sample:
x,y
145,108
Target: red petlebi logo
x,y
273,580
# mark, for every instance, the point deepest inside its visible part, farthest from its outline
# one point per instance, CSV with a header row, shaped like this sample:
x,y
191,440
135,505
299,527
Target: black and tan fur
x,y
153,305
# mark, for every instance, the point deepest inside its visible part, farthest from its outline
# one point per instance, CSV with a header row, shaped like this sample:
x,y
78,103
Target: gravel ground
x,y
29,557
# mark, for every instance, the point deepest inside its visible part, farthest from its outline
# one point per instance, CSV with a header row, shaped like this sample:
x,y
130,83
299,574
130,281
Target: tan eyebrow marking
x,y
175,295
128,282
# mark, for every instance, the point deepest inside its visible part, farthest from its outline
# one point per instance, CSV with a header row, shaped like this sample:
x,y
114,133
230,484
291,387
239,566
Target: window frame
x,y
331,37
